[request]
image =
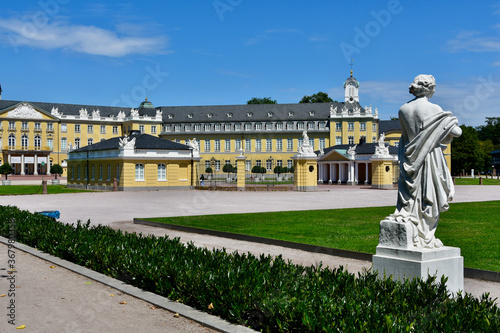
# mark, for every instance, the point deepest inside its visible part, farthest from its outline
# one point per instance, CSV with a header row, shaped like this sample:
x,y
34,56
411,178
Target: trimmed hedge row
x,y
265,293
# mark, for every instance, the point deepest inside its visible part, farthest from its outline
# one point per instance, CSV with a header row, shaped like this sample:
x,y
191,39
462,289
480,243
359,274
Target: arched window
x,y
12,141
162,172
24,141
139,172
77,143
38,142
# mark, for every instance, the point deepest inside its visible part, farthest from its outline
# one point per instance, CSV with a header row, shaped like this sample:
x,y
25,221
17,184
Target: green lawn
x,y
474,227
475,181
36,189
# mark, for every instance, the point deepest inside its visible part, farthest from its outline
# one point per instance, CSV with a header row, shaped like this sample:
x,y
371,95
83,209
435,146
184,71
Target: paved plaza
x,y
57,299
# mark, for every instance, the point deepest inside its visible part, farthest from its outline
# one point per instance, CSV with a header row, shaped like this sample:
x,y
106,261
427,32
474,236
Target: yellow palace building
x,y
36,135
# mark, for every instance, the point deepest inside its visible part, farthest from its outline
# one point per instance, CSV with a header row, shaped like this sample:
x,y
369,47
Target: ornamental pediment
x,y
26,110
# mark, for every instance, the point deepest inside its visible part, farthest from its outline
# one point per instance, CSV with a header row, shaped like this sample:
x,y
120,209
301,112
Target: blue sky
x,y
227,51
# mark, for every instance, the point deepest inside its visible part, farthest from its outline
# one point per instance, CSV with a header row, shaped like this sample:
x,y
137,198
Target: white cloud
x,y
78,38
474,42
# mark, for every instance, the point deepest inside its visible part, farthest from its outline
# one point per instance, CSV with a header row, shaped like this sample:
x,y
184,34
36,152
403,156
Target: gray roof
x,y
361,149
142,141
208,113
386,126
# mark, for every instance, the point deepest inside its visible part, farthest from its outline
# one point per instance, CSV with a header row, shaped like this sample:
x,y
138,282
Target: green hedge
x,y
266,293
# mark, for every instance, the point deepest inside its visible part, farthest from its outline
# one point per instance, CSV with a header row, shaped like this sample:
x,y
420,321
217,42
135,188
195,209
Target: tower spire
x,y
352,63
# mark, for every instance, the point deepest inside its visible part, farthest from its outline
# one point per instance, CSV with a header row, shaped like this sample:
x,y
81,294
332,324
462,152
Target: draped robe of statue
x,y
425,183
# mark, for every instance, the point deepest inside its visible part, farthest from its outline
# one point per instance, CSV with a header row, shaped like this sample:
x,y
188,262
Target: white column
x,y
35,168
22,165
330,165
356,173
341,173
8,159
366,173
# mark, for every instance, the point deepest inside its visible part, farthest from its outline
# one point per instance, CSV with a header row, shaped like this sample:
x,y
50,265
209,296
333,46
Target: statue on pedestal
x,y
425,185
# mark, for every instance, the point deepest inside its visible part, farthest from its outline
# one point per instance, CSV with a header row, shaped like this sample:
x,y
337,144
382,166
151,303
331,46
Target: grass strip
x,y
474,227
37,189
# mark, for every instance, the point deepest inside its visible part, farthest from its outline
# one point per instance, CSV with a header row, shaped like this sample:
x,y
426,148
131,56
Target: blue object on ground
x,y
51,213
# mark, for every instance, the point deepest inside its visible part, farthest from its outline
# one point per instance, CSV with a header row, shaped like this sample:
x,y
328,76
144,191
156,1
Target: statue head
x,y
423,85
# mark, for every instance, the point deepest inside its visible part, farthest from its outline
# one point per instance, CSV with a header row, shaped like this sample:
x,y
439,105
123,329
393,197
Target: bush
x,y
209,170
56,169
228,168
279,169
6,169
266,293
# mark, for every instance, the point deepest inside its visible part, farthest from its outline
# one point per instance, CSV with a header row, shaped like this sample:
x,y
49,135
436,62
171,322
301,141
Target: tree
x,y
209,170
6,169
320,97
291,169
264,100
490,131
228,168
56,169
464,152
279,169
258,169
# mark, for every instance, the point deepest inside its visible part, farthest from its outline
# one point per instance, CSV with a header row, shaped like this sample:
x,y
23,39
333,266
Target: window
x,y
92,172
49,143
167,128
227,127
279,126
289,144
300,125
269,144
289,125
258,163
311,143
90,141
12,125
217,165
227,145
248,144
77,128
217,145
258,126
90,129
258,144
217,127
269,126
207,145
269,165
187,128
237,144
115,129
374,128
38,127
78,172
350,127
279,144
50,127
207,127
141,128
279,162
12,140
100,171
237,127
310,125
374,139
109,171
103,129
207,164
63,144
338,140
197,127
139,172
362,126
248,127
153,129
162,172
289,164
321,125
321,143
350,139
24,141
77,143
226,162
300,142
338,126
248,165
38,142
177,140
24,126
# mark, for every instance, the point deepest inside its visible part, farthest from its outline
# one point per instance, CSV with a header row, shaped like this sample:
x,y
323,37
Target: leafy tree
x,y
228,168
485,148
209,170
56,169
464,152
320,97
264,100
6,169
258,169
490,131
291,169
279,169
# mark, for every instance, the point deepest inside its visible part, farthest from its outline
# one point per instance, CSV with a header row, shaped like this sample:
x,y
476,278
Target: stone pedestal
x,y
397,256
240,172
382,172
404,263
306,172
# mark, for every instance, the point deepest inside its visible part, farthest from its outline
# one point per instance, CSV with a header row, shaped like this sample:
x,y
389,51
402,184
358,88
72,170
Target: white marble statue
x,y
352,151
382,149
134,112
121,115
425,183
194,144
96,113
125,143
83,112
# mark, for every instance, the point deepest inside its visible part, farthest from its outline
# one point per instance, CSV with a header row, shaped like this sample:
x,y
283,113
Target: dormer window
x,y
229,115
209,115
270,114
190,116
290,114
311,113
170,116
249,114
